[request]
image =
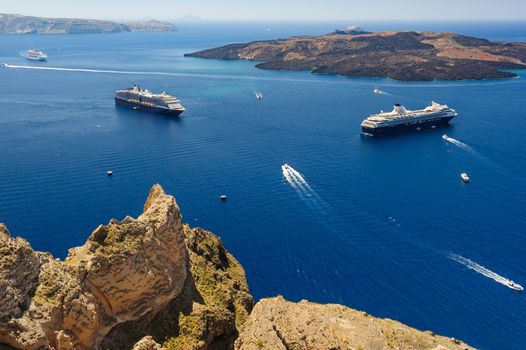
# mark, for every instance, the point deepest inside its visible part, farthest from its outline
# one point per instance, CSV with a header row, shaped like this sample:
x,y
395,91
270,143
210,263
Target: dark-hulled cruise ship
x,y
401,119
145,100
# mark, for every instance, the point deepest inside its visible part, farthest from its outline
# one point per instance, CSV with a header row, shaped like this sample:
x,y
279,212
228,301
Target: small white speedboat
x,y
259,95
465,177
515,286
445,137
377,91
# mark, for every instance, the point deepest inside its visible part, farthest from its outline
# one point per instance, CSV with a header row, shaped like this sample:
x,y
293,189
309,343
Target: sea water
x,y
366,222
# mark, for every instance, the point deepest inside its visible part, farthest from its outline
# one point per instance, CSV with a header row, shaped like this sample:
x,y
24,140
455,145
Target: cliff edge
x,y
277,324
147,276
154,283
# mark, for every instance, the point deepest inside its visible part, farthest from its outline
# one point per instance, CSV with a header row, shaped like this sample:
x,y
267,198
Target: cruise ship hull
x,y
148,108
407,127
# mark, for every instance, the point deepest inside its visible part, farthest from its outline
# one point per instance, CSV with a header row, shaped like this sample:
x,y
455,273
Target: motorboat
x,y
465,177
514,286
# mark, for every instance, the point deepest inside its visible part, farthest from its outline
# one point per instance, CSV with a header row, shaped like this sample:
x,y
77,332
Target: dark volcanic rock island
x,y
399,55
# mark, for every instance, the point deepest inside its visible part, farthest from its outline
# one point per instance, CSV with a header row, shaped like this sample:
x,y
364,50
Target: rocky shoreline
x,y
399,55
156,283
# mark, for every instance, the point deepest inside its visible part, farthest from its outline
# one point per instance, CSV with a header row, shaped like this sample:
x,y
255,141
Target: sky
x,y
273,9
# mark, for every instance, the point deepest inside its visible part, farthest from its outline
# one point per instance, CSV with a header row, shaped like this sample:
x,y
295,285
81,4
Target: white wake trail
x,y
304,190
480,269
239,77
286,174
457,143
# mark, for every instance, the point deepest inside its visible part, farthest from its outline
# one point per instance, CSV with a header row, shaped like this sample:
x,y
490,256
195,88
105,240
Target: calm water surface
x,y
375,227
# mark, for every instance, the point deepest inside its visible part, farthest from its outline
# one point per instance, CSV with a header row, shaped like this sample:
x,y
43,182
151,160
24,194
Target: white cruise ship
x,y
145,100
401,119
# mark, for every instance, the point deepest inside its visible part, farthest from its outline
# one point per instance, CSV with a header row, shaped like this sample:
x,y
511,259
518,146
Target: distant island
x,y
399,55
18,24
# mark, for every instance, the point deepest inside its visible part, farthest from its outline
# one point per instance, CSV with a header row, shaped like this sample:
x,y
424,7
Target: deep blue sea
x,y
380,225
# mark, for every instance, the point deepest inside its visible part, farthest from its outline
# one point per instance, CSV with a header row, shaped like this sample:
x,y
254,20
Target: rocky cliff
x,y
18,24
277,324
147,276
154,283
400,55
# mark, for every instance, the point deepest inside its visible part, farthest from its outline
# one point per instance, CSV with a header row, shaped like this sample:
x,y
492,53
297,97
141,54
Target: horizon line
x,y
188,18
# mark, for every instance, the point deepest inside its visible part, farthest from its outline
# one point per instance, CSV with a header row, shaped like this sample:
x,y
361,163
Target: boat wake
x,y
380,92
459,144
305,191
345,81
484,271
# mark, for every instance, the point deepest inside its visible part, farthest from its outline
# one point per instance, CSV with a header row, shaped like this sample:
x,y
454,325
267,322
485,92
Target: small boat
x,y
259,95
465,177
223,197
515,286
135,108
377,91
34,55
445,137
109,173
3,65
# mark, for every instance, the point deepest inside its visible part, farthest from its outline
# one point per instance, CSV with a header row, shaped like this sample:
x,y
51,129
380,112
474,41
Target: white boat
x,y
34,55
465,177
259,95
377,91
445,137
515,286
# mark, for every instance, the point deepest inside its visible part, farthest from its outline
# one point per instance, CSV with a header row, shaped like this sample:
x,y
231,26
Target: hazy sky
x,y
272,9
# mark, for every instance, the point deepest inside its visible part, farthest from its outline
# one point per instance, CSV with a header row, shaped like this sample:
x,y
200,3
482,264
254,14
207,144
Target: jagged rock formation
x,y
132,277
154,283
277,324
18,24
402,55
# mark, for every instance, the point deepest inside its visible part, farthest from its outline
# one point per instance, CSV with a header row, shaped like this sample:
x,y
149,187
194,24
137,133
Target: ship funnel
x,y
398,108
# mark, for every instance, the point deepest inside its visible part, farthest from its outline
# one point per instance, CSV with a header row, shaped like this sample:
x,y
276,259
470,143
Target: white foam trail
x,y
380,92
292,181
305,191
455,142
345,80
459,144
480,269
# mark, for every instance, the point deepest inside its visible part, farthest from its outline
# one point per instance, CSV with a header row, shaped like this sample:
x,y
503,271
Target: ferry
x,y
401,119
34,55
145,100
